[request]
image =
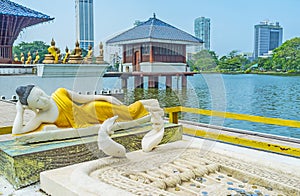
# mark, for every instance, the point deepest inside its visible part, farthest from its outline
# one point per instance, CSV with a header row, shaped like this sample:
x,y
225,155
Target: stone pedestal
x,y
100,60
75,59
49,59
22,164
88,60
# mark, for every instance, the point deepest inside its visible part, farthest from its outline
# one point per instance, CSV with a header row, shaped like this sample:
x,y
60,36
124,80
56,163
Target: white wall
x,y
158,67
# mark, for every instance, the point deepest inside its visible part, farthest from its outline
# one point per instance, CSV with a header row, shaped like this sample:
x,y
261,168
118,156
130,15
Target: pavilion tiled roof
x,y
154,30
10,8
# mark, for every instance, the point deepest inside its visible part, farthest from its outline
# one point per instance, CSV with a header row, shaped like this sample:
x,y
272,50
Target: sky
x,y
232,21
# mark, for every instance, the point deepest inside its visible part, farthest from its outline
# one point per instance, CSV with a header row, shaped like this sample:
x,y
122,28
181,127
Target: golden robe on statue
x,y
74,115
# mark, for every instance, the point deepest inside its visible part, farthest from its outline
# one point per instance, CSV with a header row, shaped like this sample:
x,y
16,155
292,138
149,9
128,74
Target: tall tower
x,y
202,31
84,23
267,37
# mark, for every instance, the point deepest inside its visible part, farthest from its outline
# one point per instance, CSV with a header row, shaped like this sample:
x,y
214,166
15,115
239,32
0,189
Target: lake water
x,y
260,95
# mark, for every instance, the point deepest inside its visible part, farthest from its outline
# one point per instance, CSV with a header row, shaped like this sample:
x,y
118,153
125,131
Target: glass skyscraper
x,y
84,23
202,31
267,37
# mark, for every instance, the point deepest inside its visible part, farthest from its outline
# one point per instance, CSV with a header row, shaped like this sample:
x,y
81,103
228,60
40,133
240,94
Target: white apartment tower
x,y
202,31
267,37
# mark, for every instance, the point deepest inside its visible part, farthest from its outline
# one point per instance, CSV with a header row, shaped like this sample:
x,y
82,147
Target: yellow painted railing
x,y
5,130
244,141
173,116
241,141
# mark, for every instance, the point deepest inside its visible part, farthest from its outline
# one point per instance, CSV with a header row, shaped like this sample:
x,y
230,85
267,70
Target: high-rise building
x,y
202,31
84,23
267,37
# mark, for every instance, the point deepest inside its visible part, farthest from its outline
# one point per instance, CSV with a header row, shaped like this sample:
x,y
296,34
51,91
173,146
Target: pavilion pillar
x,y
153,82
151,53
156,81
184,54
124,54
138,81
124,81
168,81
184,80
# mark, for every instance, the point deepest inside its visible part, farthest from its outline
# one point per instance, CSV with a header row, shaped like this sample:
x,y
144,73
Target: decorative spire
x,y
52,42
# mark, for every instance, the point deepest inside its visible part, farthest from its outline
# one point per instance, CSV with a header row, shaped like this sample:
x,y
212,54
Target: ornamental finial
x,y
52,42
77,43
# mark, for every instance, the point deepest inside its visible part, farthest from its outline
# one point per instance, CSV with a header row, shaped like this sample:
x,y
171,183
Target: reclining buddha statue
x,y
68,109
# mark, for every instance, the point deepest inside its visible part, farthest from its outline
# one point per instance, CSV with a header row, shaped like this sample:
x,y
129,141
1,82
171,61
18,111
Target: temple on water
x,y
13,19
154,46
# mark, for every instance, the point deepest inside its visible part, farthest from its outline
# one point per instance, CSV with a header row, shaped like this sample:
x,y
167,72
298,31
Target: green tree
x,y
287,56
265,63
31,47
233,62
204,61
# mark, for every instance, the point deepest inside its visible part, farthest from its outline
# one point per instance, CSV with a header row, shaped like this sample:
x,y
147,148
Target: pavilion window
x,y
169,50
129,50
179,50
156,50
145,49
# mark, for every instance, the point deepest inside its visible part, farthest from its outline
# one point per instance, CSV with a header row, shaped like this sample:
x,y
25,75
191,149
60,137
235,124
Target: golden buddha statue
x,y
77,50
76,56
53,56
90,52
16,59
37,58
58,55
29,58
22,58
89,57
67,56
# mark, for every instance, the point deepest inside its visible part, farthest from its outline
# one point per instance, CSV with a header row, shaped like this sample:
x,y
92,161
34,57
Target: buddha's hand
x,y
19,107
113,100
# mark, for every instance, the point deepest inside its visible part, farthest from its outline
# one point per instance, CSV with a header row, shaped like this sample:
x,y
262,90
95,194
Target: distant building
x,y
267,37
84,23
248,55
13,19
202,31
154,46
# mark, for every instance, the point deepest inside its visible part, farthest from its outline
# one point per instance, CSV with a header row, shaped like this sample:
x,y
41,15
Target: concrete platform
x,y
276,173
22,164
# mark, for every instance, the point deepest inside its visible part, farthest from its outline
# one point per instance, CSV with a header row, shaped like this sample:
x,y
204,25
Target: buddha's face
x,y
38,99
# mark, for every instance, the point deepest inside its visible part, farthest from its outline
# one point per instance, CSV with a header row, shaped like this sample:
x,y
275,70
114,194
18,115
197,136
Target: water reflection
x,y
269,96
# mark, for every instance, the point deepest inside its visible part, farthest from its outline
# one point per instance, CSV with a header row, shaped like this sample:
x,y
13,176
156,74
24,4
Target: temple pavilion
x,y
154,46
13,19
